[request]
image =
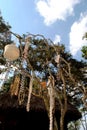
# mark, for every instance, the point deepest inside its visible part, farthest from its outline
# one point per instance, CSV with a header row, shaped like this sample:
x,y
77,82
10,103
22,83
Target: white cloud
x,y
57,39
53,10
77,31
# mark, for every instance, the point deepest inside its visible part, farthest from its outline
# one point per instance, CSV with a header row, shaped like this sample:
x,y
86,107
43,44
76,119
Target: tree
x,y
41,63
83,121
84,36
5,37
84,48
40,60
84,52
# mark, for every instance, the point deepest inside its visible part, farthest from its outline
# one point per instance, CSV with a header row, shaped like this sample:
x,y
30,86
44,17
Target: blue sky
x,y
63,21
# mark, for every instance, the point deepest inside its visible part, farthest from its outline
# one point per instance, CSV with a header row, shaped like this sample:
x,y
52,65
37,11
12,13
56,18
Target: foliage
x,y
74,125
84,52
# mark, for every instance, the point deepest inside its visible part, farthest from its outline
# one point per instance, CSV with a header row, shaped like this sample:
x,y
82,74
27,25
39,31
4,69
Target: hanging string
x,y
57,59
52,100
29,93
27,43
21,94
23,63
